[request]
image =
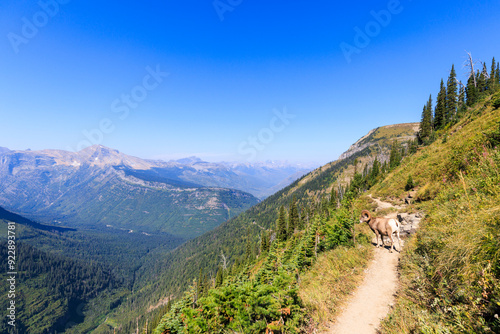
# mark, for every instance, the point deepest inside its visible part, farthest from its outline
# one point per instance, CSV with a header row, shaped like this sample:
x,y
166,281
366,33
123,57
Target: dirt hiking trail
x,y
371,301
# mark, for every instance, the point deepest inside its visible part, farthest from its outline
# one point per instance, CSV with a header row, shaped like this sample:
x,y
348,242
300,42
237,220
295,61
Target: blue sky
x,y
227,79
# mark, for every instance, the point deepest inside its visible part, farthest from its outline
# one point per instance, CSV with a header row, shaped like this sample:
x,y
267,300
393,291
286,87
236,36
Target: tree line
x,y
454,98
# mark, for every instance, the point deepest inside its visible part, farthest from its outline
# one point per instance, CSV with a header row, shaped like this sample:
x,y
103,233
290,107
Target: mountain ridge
x,y
228,240
259,179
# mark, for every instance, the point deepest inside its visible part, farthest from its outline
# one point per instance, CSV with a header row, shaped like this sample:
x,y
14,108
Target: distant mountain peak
x,y
4,150
99,152
100,155
98,148
189,160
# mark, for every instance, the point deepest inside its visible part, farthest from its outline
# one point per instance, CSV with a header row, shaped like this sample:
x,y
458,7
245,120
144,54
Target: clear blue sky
x,y
85,66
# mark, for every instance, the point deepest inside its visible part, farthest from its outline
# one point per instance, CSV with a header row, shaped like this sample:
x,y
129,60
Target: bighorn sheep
x,y
382,226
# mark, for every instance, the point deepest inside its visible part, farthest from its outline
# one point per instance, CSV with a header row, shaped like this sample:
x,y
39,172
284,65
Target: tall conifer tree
x,y
200,284
219,278
440,112
481,80
333,198
492,82
395,156
281,230
293,216
248,248
461,99
426,121
451,95
375,168
471,91
498,73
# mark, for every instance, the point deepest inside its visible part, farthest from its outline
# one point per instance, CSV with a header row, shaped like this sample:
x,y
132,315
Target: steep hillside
x,y
450,271
12,217
205,251
54,264
376,144
51,290
229,240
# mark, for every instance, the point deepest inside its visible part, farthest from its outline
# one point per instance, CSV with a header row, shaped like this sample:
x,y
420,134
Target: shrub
x,y
409,183
496,103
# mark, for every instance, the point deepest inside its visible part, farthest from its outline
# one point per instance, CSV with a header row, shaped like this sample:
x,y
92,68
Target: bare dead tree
x,y
224,260
470,65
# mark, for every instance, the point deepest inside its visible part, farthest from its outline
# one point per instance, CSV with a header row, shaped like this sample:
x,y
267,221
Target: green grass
x,y
328,283
450,271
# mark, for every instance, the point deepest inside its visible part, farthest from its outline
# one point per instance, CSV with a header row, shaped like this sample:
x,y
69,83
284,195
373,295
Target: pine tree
x,y
440,112
375,169
412,146
409,183
219,278
301,223
471,91
365,171
426,122
492,80
333,198
324,207
293,216
281,230
461,97
395,157
451,95
248,246
481,80
498,74
200,286
264,241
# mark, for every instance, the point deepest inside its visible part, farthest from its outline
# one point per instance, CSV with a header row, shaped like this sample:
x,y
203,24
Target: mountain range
x,y
99,187
136,216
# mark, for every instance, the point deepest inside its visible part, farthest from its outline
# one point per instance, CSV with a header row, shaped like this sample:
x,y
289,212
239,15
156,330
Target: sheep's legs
x,y
381,239
392,242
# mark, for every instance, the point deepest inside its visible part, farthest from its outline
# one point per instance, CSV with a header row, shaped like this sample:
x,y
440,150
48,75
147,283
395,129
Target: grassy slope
x,y
451,269
174,272
205,251
329,282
